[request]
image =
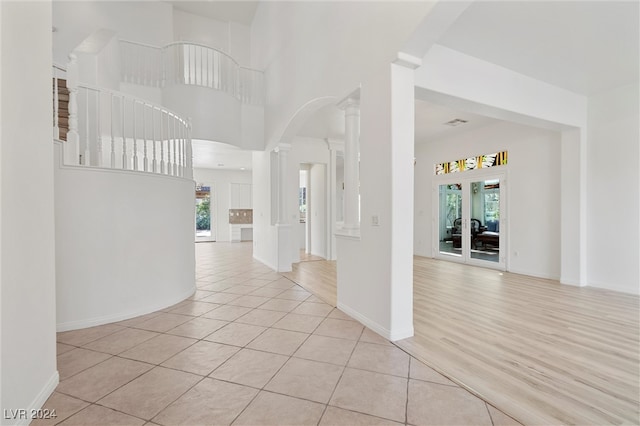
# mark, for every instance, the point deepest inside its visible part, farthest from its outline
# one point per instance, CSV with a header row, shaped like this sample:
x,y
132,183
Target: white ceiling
x,y
241,11
431,118
327,122
582,46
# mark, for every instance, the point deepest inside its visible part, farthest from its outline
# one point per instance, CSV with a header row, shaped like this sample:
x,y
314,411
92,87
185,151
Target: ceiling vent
x,y
455,122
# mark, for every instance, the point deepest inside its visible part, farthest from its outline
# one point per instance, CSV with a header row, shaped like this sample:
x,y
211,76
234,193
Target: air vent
x,y
455,122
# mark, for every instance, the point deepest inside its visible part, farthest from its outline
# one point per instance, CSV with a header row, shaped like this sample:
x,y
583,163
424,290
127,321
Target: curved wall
x,y
124,243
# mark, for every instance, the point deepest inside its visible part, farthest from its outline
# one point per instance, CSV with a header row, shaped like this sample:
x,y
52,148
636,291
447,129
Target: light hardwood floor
x,y
317,276
542,352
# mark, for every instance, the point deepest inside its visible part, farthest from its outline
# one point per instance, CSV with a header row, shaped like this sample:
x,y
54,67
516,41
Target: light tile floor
x,y
250,347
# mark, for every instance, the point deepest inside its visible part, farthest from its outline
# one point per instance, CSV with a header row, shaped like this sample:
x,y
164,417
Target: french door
x,y
471,219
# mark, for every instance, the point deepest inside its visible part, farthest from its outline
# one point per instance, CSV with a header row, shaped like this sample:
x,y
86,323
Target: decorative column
x,y
283,224
351,107
334,146
72,147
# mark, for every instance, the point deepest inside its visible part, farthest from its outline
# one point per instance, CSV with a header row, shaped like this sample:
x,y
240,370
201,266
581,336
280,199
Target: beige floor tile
x,y
132,322
209,402
266,292
338,314
272,409
431,404
314,299
370,336
340,328
339,417
62,348
96,415
318,309
194,308
164,322
261,317
216,287
282,283
326,349
77,360
220,298
150,393
380,358
158,349
64,407
306,379
121,341
251,368
501,419
294,294
227,312
296,322
282,342
420,371
201,358
198,328
86,335
200,294
236,334
281,305
240,289
270,276
102,379
249,301
371,393
256,282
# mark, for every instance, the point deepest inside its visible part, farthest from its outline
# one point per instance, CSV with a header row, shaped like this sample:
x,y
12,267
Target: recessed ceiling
x,y
228,11
216,155
432,121
582,46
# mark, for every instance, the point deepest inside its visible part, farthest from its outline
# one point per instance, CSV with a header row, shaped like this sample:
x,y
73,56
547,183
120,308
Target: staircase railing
x,y
191,64
115,130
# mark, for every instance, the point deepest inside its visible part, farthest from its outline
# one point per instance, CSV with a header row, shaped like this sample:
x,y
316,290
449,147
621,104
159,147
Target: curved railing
x,y
115,130
191,64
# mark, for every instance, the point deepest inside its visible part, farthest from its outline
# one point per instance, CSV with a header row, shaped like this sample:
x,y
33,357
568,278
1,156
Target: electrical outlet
x,y
374,220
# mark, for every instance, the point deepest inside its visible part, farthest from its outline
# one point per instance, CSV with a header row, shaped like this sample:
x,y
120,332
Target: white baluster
x,y
145,161
99,129
135,141
189,152
113,139
161,144
72,147
124,138
175,134
169,165
154,164
56,105
85,160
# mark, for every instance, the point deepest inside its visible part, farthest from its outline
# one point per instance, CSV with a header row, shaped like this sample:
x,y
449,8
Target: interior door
x,y
470,212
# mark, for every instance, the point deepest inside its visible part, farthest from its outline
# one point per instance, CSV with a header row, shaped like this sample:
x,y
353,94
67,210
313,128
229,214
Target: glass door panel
x,y
485,220
450,219
203,220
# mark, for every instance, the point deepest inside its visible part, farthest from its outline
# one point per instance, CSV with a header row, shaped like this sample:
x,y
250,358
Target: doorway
x,y
471,219
205,231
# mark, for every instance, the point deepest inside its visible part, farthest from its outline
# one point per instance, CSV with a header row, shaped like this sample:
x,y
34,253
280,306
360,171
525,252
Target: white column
x,y
351,107
283,224
334,147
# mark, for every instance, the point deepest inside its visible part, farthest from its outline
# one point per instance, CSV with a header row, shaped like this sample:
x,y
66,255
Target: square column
x,y
283,226
351,107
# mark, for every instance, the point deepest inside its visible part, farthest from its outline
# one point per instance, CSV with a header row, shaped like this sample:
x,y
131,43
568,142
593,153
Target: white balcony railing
x,y
114,130
190,64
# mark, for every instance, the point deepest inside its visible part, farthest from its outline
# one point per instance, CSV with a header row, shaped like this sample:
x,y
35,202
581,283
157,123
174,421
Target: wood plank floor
x,y
541,352
317,276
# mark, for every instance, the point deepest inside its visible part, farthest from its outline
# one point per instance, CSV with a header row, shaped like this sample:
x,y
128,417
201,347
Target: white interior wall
x,y
614,190
220,182
27,238
124,243
264,233
76,20
533,193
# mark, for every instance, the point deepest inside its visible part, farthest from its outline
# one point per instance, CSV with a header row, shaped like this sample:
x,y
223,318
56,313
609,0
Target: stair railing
x,y
191,64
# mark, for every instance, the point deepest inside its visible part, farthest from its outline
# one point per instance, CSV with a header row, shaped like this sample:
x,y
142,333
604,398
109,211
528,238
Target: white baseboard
x,y
536,274
40,399
121,316
275,268
384,332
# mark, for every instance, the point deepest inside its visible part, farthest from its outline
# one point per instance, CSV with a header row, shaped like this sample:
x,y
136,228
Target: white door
x,y
470,223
